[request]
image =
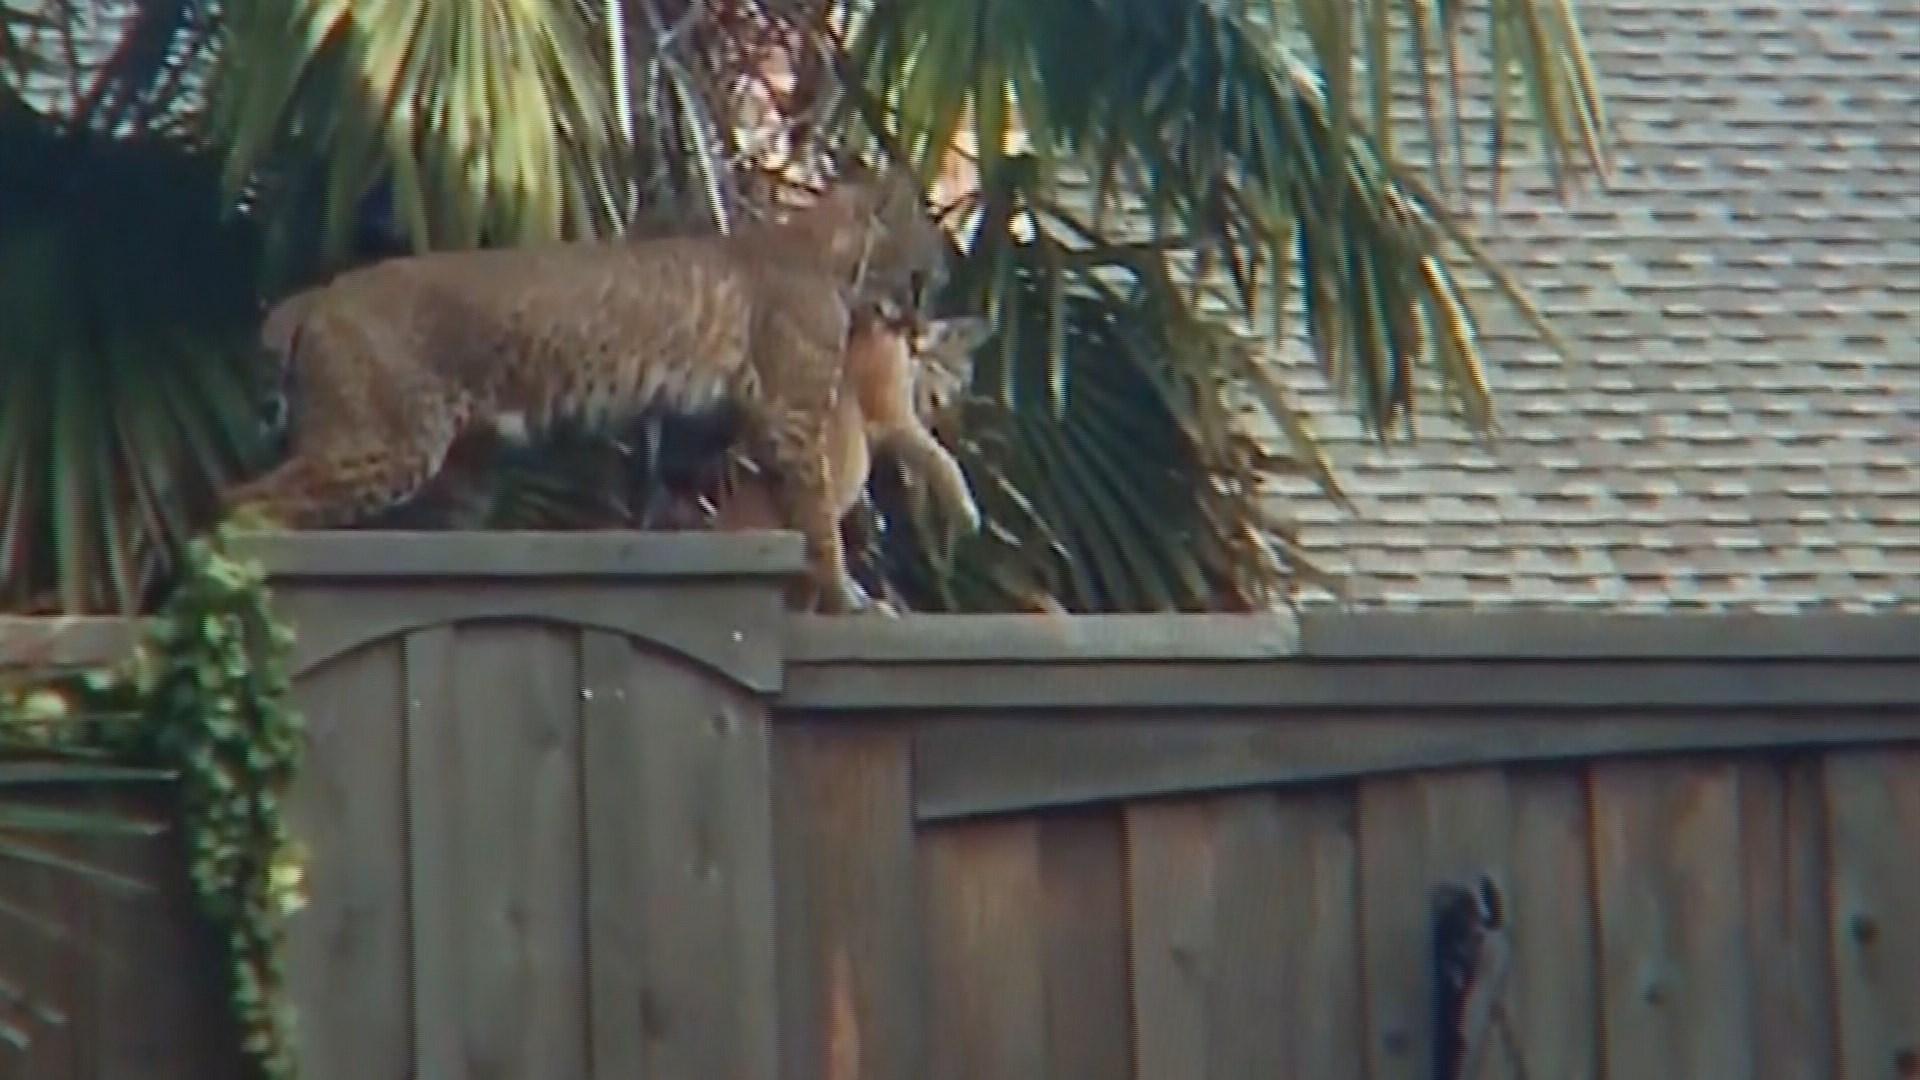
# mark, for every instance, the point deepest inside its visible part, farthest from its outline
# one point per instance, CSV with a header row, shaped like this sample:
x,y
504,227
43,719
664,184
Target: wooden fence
x,y
592,806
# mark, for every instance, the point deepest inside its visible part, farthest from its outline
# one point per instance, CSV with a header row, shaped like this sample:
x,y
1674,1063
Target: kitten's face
x,y
943,353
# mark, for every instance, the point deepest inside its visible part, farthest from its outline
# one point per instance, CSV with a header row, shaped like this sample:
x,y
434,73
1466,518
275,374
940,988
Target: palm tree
x,y
1155,192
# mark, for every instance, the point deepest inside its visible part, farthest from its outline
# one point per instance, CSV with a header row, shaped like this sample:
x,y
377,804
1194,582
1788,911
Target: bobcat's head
x,y
881,225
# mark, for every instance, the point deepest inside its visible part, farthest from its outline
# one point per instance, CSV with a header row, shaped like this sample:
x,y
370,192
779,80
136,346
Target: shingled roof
x,y
1741,425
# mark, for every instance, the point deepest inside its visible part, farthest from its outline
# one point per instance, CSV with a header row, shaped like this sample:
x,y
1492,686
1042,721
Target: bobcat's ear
x,y
957,336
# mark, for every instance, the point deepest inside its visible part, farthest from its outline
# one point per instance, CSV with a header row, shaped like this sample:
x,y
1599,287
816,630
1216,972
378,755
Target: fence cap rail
x,y
819,639
59,643
1563,634
369,554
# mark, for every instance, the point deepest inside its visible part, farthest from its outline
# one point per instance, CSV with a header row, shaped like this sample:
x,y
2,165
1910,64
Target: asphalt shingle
x,y
1740,427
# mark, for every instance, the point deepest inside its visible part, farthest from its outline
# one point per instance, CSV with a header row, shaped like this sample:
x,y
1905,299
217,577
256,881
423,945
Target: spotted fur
x,y
390,363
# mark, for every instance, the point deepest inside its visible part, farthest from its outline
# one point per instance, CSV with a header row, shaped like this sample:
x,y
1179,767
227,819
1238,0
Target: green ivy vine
x,y
206,692
214,676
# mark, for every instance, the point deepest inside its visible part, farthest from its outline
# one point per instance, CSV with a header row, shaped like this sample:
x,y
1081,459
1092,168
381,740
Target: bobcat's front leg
x,y
797,445
795,432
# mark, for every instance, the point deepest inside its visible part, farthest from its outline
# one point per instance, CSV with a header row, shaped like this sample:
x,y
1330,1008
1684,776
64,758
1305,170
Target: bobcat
x,y
390,363
900,373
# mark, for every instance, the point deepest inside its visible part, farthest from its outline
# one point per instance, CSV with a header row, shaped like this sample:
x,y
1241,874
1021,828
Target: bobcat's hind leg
x,y
337,485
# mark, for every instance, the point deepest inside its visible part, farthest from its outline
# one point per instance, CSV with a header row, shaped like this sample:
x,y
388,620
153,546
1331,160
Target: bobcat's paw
x,y
965,513
254,517
845,597
954,516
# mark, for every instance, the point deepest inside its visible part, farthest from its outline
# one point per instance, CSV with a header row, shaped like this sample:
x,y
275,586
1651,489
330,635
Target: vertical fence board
x,y
1248,965
135,1029
348,950
88,957
45,953
1783,845
1170,881
1418,832
495,792
1672,919
981,885
1553,996
1873,808
851,962
1083,873
434,889
679,863
1244,936
1287,998
617,937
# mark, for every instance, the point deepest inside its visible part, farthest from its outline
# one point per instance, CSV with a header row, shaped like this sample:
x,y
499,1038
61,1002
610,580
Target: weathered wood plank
x,y
1245,939
852,965
129,1026
1873,811
360,554
1337,635
987,763
1783,846
34,645
955,638
45,938
89,958
1553,993
494,785
1171,870
348,950
1084,925
617,936
1672,923
680,871
1286,1000
737,635
1302,685
987,1014
1418,833
434,888
1542,635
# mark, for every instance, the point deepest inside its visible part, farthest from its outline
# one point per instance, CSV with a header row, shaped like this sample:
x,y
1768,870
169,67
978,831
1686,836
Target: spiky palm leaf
x,y
128,385
1193,172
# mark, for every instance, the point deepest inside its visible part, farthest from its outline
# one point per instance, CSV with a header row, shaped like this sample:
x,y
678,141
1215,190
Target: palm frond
x,y
127,373
1226,152
1211,126
491,120
1130,493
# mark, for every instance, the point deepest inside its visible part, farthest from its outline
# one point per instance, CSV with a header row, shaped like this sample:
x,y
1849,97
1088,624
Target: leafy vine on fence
x,y
211,678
